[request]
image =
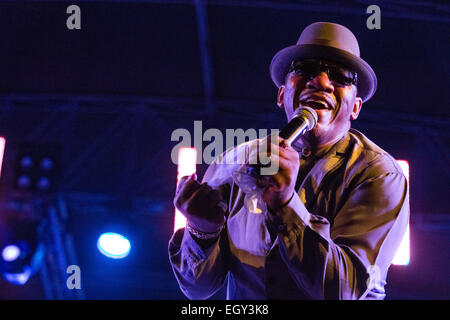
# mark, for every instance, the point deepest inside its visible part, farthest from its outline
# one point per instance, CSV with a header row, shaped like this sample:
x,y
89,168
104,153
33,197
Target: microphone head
x,y
307,113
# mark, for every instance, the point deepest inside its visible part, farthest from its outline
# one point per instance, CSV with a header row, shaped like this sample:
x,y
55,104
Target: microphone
x,y
304,119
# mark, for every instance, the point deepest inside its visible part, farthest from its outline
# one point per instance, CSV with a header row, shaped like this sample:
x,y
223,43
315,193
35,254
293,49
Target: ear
x,y
356,108
280,96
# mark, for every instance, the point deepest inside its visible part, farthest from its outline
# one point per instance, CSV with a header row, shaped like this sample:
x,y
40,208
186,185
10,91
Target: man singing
x,y
337,208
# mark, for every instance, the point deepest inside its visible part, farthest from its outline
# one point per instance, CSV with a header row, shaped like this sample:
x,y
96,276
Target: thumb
x,y
185,179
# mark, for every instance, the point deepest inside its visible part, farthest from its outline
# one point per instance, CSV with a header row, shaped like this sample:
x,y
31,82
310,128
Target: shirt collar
x,y
318,153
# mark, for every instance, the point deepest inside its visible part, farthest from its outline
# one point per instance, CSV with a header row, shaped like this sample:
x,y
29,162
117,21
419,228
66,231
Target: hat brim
x,y
367,80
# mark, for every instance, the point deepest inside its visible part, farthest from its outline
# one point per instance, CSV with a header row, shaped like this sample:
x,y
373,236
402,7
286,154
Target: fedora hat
x,y
331,41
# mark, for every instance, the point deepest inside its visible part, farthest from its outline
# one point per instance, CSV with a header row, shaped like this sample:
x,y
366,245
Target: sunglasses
x,y
310,68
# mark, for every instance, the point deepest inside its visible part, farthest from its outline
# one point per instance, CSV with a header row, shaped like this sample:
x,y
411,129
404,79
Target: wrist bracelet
x,y
203,235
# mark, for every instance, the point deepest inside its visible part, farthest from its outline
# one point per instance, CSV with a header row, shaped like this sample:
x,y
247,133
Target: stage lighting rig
x,y
37,167
21,247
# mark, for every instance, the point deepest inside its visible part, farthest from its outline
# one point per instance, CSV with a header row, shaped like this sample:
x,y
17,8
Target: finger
x,y
182,181
277,140
283,143
267,144
187,186
279,166
203,198
264,181
218,214
265,152
286,152
281,146
261,150
273,182
222,205
273,159
268,147
207,194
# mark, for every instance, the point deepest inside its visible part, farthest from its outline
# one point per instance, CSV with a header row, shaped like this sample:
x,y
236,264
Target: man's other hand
x,y
202,205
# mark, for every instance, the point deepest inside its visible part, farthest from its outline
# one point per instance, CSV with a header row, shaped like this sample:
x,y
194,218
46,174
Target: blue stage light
x,y
10,253
19,278
113,245
19,261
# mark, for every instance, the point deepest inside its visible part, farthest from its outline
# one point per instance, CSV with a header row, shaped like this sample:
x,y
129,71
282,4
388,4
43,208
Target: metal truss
x,y
53,236
60,253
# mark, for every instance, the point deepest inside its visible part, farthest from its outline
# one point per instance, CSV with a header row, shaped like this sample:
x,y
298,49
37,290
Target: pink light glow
x,y
187,159
403,253
2,152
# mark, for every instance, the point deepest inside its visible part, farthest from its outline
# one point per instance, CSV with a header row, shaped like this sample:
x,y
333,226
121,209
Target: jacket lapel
x,y
312,184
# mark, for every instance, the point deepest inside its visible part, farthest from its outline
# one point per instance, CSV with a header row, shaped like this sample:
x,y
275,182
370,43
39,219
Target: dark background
x,y
110,95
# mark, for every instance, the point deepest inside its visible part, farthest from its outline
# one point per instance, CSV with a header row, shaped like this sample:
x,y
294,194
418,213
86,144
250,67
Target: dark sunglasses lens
x,y
341,77
306,69
310,69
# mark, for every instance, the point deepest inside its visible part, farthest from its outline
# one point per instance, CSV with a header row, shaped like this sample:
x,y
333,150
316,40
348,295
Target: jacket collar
x,y
329,162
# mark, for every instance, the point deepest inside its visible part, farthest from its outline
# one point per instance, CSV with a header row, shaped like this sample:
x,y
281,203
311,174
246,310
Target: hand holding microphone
x,y
304,119
278,188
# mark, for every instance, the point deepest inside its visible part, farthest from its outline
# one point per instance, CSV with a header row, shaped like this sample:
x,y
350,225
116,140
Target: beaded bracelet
x,y
203,235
